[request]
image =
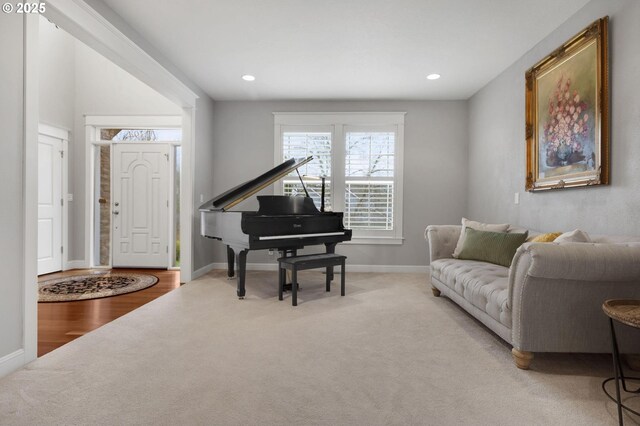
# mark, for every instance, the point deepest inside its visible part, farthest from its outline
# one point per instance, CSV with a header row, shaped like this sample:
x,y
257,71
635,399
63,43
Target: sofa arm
x,y
442,240
556,293
577,261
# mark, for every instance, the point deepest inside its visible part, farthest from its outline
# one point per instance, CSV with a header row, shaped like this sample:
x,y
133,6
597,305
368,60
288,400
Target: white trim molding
x,y
76,264
206,269
134,121
29,350
11,362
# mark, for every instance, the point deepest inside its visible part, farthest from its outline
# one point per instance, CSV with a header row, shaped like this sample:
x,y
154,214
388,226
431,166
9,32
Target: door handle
x,y
116,212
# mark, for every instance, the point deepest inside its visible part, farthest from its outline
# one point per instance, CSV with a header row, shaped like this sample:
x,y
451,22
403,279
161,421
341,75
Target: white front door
x,y
140,205
49,204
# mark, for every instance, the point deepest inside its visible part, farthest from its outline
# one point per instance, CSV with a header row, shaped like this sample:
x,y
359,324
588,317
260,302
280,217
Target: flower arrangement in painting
x,y
567,126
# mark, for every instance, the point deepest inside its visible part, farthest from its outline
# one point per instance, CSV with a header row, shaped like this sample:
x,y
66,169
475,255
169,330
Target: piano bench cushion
x,y
311,261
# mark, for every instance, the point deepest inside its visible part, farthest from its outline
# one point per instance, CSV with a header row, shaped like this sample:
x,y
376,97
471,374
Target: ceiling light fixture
x,y
433,76
248,77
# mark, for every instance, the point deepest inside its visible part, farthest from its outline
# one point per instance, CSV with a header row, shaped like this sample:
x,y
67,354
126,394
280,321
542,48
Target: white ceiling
x,y
343,49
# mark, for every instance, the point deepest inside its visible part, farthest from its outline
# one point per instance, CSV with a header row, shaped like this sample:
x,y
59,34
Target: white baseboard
x,y
75,264
350,268
10,363
208,268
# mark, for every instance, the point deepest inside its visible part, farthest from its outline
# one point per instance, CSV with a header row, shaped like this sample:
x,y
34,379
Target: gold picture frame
x,y
567,114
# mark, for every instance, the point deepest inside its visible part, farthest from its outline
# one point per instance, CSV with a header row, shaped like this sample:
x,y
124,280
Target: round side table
x,y
626,312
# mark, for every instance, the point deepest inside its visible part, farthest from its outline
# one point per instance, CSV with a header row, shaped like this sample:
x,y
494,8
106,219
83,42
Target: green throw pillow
x,y
492,247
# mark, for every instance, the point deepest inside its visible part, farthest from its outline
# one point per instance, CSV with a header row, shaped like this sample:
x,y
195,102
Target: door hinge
x,y
167,203
61,249
167,248
62,201
61,154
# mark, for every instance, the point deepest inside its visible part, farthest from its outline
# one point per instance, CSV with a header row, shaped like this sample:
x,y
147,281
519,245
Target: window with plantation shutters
x,y
369,171
300,144
360,156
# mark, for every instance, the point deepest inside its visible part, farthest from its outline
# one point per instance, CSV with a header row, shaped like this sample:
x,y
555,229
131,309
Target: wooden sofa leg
x,y
522,358
435,291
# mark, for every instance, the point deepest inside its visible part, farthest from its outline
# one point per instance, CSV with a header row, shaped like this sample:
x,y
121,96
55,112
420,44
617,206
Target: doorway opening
x,y
135,192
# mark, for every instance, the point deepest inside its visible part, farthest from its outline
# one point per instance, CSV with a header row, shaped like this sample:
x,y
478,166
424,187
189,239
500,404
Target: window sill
x,y
376,240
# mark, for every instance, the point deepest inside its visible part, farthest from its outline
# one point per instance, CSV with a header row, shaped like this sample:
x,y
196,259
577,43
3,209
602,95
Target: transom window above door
x,y
140,135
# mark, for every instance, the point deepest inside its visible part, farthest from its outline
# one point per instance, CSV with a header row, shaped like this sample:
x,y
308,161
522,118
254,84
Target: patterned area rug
x,y
82,287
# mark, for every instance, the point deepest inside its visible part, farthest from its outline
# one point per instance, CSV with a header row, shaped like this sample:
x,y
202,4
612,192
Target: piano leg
x,y
241,260
230,266
331,248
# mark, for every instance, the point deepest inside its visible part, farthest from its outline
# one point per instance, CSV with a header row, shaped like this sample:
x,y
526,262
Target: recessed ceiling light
x,y
248,77
433,76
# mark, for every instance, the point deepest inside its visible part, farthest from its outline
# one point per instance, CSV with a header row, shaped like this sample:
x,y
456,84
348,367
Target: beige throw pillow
x,y
575,236
466,223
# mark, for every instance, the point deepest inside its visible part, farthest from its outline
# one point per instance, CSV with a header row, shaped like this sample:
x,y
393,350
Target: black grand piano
x,y
282,222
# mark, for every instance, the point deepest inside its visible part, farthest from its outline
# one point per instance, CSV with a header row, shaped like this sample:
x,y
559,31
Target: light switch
x,y
201,198
69,197
516,198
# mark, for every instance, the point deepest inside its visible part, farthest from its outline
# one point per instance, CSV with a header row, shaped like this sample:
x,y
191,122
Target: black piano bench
x,y
309,261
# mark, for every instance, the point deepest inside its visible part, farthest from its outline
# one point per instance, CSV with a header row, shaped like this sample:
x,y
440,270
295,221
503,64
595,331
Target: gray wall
x,y
435,160
11,174
57,76
497,139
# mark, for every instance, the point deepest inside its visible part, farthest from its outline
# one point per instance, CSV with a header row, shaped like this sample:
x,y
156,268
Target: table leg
x,y
616,369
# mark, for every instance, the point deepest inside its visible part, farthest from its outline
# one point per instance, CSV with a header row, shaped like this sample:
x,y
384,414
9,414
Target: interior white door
x,y
140,205
49,204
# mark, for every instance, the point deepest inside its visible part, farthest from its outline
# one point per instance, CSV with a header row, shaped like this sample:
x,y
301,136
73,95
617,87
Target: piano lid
x,y
243,191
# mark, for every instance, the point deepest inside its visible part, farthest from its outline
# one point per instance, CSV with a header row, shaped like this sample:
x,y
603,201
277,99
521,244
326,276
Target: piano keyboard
x,y
282,237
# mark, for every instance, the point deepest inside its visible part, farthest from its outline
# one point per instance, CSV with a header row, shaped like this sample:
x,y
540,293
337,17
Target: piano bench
x,y
309,261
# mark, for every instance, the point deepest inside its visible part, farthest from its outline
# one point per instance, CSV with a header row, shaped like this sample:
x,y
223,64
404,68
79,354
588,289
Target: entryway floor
x,y
61,322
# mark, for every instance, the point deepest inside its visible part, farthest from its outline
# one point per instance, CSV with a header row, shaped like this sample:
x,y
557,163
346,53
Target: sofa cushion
x,y
575,236
544,238
483,284
493,247
466,223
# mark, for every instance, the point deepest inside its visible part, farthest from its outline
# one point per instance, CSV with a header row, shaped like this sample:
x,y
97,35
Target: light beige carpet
x,y
387,353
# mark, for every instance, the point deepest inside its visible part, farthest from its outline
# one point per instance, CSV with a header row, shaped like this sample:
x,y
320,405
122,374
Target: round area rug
x,y
82,287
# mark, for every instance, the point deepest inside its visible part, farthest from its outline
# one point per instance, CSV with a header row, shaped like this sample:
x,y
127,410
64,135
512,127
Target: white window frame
x,y
339,123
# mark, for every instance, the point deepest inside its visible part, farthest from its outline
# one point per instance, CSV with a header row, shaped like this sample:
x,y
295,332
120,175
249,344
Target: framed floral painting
x,y
567,114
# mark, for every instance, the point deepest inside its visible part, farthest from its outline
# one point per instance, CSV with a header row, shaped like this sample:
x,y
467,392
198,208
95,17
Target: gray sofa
x,y
550,299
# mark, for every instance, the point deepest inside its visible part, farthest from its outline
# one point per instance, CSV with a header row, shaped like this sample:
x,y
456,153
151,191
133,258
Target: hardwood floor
x,y
61,322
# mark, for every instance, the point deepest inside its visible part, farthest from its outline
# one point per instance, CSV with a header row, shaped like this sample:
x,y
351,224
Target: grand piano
x,y
283,223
